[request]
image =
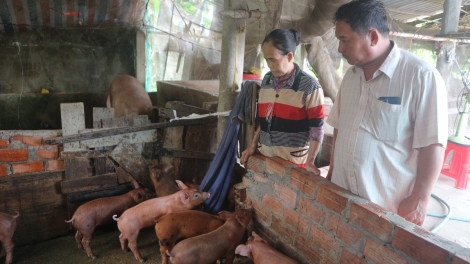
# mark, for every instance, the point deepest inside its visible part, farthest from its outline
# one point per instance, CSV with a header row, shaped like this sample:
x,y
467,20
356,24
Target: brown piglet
x,y
7,229
258,250
163,184
100,211
173,227
207,248
145,214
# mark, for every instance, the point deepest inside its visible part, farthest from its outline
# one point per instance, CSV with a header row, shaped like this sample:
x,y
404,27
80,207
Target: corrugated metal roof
x,y
23,15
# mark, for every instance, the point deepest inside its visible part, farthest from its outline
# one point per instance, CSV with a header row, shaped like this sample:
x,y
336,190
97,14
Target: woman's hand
x,y
312,168
246,154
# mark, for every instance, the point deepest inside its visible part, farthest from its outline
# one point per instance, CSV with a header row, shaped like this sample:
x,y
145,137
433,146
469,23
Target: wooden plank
x,y
85,154
105,192
131,161
183,108
131,138
182,153
123,176
77,168
123,130
109,165
99,165
73,119
41,205
89,183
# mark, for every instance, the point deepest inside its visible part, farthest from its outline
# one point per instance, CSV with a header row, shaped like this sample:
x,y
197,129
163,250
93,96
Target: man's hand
x,y
413,209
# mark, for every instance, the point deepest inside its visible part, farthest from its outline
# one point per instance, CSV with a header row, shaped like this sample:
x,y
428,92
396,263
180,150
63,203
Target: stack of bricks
x,y
24,152
315,221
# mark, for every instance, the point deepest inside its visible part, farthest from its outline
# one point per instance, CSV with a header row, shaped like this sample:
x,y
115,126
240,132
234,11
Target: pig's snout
x,y
206,195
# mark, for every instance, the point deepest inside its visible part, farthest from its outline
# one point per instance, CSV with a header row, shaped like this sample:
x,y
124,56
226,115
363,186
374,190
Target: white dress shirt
x,y
376,153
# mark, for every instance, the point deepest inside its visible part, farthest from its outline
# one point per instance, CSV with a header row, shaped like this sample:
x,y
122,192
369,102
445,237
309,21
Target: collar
x,y
389,65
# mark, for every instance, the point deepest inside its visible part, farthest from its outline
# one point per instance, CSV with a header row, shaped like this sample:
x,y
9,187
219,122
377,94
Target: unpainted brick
x,y
370,217
295,220
285,194
414,245
239,192
257,163
381,254
53,165
28,167
325,241
3,170
272,204
460,259
350,235
351,258
4,143
28,140
308,249
261,214
11,155
311,210
301,180
284,231
278,166
48,153
331,198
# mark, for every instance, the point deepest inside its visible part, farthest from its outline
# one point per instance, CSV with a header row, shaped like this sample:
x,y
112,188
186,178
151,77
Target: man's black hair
x,y
363,15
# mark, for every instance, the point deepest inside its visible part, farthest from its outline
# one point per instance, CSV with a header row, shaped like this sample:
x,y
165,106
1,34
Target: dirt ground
x,y
105,245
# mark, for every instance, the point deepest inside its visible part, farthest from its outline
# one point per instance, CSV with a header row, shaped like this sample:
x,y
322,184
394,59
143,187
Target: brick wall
x,y
22,151
315,221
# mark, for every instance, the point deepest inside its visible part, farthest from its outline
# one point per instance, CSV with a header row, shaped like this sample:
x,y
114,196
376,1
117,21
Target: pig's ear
x,y
181,185
168,169
243,250
184,197
241,220
135,183
224,214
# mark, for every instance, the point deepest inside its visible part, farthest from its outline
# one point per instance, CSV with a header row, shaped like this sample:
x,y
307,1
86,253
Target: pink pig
x,y
100,211
145,214
258,250
128,98
7,228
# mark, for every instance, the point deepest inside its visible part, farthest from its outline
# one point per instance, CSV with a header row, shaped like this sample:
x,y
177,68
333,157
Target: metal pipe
x,y
423,37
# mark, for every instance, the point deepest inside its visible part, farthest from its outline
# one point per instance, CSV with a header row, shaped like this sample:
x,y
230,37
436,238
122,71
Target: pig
x,y
258,250
100,211
145,214
128,98
163,184
173,227
7,229
207,248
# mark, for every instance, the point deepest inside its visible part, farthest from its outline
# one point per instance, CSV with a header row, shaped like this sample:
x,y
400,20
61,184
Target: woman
x,y
290,106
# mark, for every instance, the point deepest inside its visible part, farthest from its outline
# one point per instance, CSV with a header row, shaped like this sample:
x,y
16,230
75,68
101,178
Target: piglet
x,y
7,229
100,211
173,227
258,250
207,248
145,214
163,184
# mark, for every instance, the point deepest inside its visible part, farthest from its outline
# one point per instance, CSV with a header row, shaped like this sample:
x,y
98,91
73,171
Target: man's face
x,y
354,47
278,63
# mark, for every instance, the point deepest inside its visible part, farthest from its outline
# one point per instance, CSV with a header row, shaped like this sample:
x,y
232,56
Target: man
x,y
389,118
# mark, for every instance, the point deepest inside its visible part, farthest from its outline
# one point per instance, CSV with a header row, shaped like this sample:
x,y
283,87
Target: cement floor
x,y
459,202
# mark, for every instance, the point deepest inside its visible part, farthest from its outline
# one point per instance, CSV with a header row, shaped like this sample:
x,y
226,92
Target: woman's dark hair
x,y
285,40
363,15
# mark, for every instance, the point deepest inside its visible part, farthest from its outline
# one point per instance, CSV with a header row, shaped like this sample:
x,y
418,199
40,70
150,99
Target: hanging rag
x,y
219,175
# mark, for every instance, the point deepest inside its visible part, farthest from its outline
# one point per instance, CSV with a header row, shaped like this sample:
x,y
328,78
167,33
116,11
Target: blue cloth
x,y
219,175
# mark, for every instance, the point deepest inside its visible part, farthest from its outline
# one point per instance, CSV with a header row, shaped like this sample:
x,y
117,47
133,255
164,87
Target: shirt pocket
x,y
385,120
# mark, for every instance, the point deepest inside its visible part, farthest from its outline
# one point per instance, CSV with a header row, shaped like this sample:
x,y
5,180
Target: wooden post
x,y
231,65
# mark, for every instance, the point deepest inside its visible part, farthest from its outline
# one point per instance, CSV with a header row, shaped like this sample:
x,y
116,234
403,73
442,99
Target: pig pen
x,y
33,169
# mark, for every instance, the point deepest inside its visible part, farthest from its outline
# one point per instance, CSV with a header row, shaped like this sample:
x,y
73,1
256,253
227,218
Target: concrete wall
x,y
315,221
65,60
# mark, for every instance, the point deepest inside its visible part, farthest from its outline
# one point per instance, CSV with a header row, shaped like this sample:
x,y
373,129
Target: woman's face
x,y
278,63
